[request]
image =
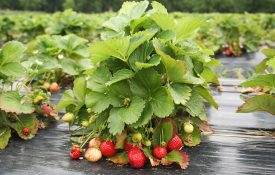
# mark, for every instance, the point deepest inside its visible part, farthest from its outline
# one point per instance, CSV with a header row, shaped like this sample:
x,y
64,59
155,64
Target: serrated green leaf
x,y
158,7
121,74
180,93
203,92
79,89
264,103
271,62
116,48
117,23
97,101
162,102
176,156
267,80
261,66
269,53
115,124
186,28
98,79
145,117
195,106
119,158
209,75
164,21
70,67
11,101
132,113
11,52
66,100
12,69
154,61
133,9
5,134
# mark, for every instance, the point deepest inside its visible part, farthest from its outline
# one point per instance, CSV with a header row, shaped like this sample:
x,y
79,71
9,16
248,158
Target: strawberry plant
x,y
22,110
151,77
56,60
262,86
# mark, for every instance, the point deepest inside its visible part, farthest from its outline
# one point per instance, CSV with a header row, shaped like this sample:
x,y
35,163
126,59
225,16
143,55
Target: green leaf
x,y
271,62
158,7
162,102
117,23
5,134
120,140
203,92
131,113
98,79
80,89
209,76
145,117
164,131
186,28
70,66
97,101
195,106
192,139
12,69
119,158
269,53
66,100
154,61
133,9
267,80
25,120
120,75
116,48
11,101
261,66
180,93
176,156
11,52
264,103
115,124
164,21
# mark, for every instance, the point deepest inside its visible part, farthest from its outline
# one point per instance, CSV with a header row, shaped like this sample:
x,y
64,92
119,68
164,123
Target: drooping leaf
x,y
192,139
5,134
176,156
180,93
11,101
120,140
121,74
164,131
267,80
119,158
195,106
25,120
209,76
115,124
264,103
206,95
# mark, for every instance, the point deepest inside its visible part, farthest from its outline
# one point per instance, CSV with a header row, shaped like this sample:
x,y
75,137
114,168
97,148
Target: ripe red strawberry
x,y
95,142
159,152
128,146
175,143
75,152
228,52
107,148
26,131
54,87
136,158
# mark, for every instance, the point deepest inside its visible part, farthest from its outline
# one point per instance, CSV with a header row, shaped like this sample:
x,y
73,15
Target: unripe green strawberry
x,y
92,118
68,117
147,143
85,124
188,127
137,137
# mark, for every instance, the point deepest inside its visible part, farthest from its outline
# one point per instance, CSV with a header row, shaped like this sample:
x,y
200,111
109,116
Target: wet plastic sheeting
x,y
231,150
